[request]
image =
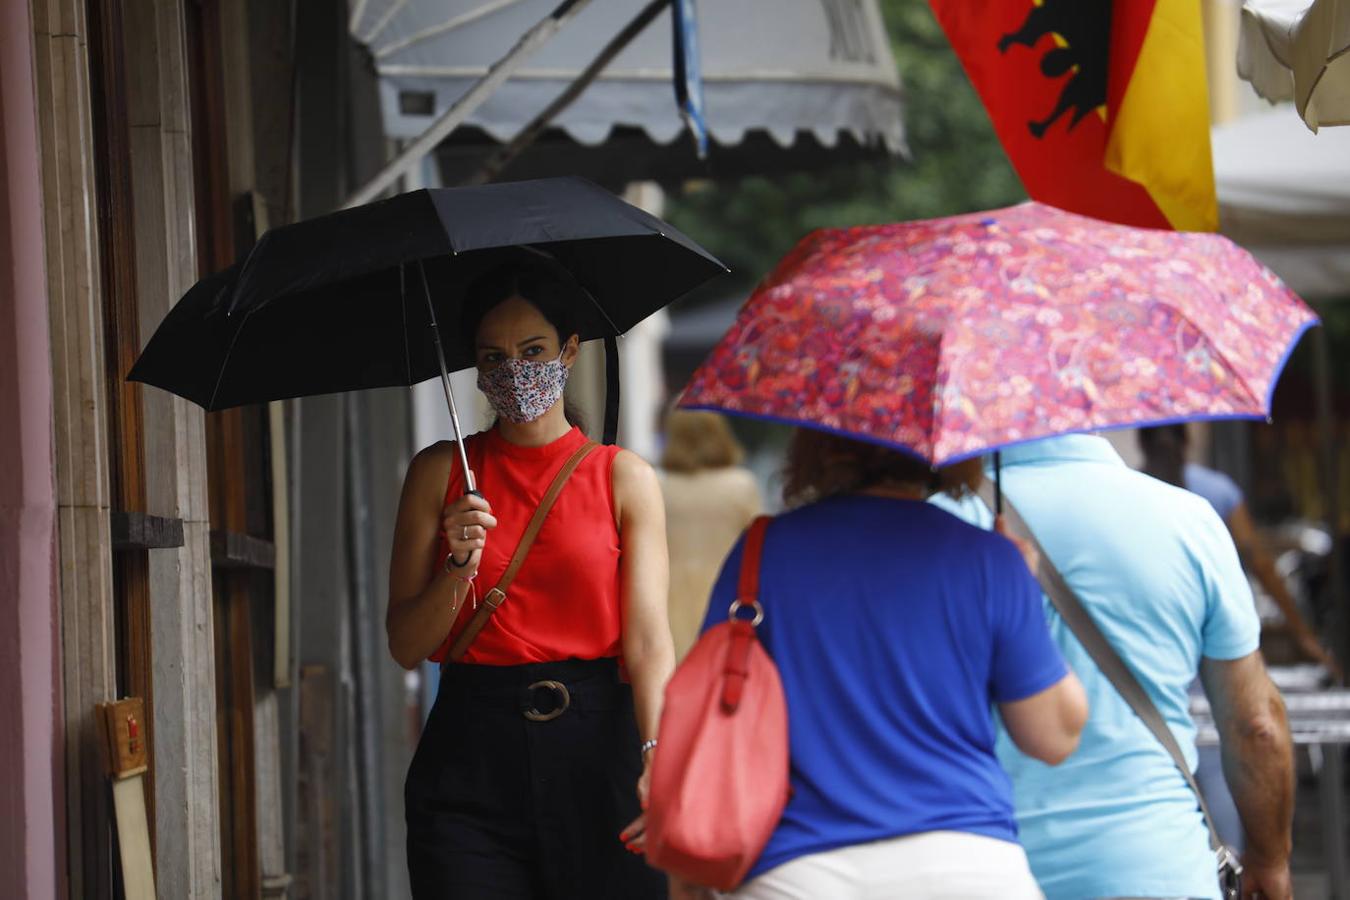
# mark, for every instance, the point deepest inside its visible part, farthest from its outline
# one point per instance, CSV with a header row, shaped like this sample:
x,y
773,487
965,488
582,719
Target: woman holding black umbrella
x,y
549,622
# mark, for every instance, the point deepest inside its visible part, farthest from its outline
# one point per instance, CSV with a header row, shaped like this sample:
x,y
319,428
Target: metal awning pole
x,y
470,484
462,108
527,135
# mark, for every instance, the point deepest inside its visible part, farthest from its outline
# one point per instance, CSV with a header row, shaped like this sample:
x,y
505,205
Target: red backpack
x,y
720,779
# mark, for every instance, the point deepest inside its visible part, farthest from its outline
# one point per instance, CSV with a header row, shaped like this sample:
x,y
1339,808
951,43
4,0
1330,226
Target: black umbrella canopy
x,y
575,220
338,303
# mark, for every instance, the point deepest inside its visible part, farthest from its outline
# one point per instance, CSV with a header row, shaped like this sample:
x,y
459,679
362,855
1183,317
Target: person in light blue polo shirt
x,y
1157,570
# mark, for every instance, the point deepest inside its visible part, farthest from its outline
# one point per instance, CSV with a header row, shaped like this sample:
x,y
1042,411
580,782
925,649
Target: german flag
x,y
1102,106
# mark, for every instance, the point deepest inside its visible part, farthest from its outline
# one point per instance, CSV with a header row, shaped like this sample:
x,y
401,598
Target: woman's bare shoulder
x,y
631,467
634,482
431,464
439,452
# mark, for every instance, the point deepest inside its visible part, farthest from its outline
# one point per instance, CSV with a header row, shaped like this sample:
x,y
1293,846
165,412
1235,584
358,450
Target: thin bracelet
x,y
648,745
451,562
473,589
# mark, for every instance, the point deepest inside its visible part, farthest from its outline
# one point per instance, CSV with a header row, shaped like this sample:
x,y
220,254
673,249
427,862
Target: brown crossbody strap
x,y
497,595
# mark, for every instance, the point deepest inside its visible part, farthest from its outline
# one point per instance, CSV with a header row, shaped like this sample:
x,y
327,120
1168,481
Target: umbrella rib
x,y
585,290
577,281
1219,355
224,363
938,384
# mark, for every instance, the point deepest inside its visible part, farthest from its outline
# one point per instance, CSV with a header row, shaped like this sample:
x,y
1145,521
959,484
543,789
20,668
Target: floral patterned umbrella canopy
x,y
952,337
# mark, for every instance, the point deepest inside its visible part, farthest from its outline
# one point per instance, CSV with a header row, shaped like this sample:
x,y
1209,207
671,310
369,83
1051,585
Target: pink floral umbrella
x,y
949,338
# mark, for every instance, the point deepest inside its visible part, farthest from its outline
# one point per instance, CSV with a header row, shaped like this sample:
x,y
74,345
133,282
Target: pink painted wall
x,y
31,786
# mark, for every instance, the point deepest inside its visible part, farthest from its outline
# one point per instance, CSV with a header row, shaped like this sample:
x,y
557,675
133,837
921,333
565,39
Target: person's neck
x,y
1170,471
544,430
897,490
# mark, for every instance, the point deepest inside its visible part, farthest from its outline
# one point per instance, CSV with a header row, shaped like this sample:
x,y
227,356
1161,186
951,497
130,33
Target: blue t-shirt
x,y
1221,491
894,626
1157,570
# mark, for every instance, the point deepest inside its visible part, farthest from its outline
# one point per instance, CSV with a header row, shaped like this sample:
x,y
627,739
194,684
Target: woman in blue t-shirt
x,y
895,627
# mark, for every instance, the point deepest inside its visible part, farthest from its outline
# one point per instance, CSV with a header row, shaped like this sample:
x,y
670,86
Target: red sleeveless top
x,y
564,602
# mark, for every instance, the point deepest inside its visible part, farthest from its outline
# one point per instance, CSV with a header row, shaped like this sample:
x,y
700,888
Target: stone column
x,y
187,822
80,433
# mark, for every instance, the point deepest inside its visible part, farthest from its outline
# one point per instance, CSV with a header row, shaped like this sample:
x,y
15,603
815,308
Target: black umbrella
x,y
352,300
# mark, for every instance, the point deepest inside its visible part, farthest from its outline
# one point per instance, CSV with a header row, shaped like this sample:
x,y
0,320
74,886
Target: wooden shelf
x,y
139,531
232,550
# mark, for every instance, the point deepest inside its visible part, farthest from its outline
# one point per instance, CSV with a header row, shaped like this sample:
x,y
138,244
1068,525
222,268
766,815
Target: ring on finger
x,y
464,535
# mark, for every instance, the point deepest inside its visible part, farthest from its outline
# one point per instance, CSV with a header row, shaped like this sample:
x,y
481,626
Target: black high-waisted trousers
x,y
502,806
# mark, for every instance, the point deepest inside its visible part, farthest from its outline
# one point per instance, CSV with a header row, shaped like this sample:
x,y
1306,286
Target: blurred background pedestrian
x,y
710,499
1165,457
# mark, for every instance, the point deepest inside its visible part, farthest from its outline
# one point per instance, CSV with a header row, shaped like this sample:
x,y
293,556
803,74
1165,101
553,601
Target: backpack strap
x,y
495,597
737,667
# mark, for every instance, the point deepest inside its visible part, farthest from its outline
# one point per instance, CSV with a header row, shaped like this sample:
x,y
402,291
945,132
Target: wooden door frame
x,y
121,345
234,474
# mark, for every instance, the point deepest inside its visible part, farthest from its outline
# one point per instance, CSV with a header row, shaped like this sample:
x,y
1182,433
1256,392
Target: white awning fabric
x,y
1299,50
1284,194
783,67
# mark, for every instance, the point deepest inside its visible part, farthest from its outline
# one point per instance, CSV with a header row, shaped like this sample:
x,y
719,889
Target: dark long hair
x,y
545,285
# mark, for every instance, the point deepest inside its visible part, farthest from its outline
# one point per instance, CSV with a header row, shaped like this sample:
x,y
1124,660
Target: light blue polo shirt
x,y
1157,569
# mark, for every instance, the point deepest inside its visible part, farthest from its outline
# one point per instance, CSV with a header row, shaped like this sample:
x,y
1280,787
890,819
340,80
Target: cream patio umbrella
x,y
1299,50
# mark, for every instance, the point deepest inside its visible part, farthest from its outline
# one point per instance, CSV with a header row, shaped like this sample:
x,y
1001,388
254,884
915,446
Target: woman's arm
x,y
644,574
1047,725
1253,553
423,598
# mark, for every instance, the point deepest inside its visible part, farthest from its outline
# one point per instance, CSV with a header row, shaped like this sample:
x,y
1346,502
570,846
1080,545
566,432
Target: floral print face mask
x,y
522,390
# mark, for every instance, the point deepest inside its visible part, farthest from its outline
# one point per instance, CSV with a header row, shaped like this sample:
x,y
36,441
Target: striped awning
x,y
781,72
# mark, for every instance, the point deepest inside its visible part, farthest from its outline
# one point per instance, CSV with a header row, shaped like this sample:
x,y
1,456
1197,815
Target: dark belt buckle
x,y
564,701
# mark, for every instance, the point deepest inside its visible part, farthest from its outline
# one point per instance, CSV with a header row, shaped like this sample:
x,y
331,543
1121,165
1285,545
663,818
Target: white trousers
x,y
935,865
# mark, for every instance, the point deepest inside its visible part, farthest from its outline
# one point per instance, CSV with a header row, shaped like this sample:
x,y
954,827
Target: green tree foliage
x,y
956,165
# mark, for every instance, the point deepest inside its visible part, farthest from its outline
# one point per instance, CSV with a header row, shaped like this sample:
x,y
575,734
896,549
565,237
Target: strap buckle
x,y
753,605
564,701
497,601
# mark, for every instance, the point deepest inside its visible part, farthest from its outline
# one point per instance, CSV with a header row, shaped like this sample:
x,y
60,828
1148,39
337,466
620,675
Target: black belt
x,y
541,692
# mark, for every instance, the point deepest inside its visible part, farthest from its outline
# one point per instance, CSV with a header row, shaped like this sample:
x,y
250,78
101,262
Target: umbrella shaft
x,y
470,485
998,483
